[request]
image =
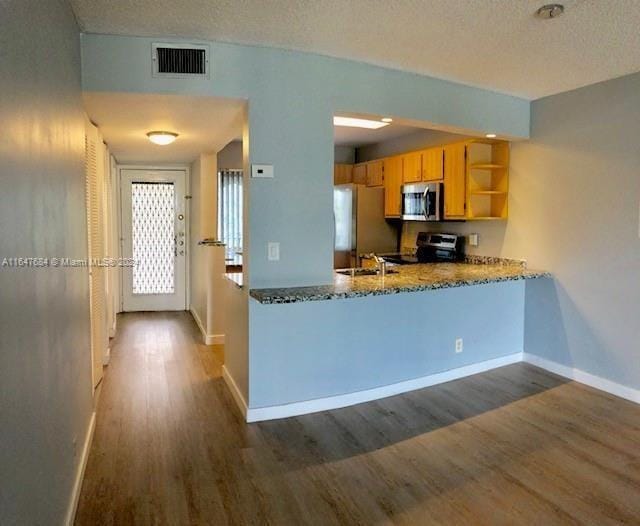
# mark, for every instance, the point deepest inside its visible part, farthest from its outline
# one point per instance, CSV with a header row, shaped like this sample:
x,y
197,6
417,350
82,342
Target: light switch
x,y
262,170
273,251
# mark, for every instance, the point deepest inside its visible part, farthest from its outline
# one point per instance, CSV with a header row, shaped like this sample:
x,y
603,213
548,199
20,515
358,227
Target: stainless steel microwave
x,y
422,202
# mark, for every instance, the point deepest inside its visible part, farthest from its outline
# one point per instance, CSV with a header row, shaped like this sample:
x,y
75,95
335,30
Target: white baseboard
x,y
209,339
258,414
198,322
335,402
235,391
214,339
77,483
583,377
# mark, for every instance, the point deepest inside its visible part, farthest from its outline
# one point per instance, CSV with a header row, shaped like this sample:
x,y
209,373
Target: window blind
x,y
230,213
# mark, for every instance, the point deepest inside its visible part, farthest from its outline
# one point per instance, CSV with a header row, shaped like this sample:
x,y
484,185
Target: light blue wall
x,y
291,99
309,350
574,191
583,163
46,396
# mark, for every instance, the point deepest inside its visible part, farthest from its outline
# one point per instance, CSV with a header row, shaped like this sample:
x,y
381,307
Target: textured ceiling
x,y
497,44
204,124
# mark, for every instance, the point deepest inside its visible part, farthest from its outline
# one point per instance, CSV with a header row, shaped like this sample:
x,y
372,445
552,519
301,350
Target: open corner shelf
x,y
486,166
487,180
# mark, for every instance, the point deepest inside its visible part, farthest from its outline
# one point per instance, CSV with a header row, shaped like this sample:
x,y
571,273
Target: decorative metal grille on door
x,y
153,237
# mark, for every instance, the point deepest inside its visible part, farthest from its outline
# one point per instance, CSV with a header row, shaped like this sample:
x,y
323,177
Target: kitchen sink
x,y
360,271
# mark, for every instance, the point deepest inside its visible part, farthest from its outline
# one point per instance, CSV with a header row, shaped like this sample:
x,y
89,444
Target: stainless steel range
x,y
432,248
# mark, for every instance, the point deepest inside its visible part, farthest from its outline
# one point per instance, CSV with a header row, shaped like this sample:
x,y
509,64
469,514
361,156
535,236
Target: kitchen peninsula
x,y
421,325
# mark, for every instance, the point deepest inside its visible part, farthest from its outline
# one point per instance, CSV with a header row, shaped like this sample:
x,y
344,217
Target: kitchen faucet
x,y
382,264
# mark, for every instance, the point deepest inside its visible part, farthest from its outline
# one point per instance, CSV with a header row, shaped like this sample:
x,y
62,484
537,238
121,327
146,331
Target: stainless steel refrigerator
x,y
360,226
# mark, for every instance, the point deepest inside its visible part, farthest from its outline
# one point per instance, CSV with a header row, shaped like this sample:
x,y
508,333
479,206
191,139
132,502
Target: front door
x,y
154,239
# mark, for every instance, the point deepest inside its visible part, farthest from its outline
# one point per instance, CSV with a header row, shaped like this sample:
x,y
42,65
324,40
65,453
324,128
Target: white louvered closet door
x,y
94,168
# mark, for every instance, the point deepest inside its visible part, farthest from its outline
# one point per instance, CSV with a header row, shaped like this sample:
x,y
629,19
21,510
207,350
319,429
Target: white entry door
x,y
154,237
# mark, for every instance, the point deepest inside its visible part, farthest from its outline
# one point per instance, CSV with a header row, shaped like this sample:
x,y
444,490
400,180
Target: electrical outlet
x,y
473,240
459,345
273,251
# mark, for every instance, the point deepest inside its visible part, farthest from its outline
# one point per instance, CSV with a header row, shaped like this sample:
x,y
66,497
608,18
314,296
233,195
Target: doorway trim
x,y
158,167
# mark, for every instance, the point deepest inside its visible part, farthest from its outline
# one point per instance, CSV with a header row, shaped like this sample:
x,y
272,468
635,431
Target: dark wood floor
x,y
512,446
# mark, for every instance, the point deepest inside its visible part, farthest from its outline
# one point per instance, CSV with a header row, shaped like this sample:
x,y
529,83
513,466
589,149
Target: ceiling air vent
x,y
180,60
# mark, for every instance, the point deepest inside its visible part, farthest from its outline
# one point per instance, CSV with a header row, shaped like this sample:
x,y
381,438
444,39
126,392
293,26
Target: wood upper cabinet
x,y
392,186
412,167
454,180
359,174
375,173
433,164
342,173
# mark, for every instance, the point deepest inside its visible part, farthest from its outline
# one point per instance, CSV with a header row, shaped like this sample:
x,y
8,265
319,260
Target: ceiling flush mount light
x,y
358,123
550,11
386,119
162,137
490,135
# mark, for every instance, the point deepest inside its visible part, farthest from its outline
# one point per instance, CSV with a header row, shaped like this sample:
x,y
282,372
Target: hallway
x,y
170,447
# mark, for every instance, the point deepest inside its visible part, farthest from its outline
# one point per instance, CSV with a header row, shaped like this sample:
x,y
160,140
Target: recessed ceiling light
x,y
386,119
550,11
162,137
358,123
490,135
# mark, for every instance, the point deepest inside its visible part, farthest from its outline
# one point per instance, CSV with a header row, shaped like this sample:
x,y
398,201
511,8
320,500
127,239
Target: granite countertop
x,y
409,278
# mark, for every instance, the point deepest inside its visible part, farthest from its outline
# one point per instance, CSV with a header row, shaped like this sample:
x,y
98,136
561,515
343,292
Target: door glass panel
x,y
152,218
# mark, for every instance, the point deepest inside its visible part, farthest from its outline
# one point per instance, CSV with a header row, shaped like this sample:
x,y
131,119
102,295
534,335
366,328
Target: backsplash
x,y
491,236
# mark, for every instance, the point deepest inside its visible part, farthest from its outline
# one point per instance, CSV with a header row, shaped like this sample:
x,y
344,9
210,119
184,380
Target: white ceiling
x,y
204,124
497,44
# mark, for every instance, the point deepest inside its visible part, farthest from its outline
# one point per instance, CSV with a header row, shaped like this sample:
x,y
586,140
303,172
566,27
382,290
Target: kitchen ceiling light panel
x,y
358,123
